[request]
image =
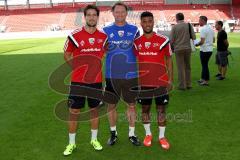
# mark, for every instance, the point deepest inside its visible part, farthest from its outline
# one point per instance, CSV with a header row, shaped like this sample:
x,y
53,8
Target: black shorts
x,y
77,102
222,58
122,88
147,94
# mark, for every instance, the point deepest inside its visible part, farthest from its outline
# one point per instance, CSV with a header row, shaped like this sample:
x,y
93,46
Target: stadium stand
x,y
66,17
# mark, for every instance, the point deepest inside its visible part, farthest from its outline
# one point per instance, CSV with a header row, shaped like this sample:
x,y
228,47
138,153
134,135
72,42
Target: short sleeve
x,y
172,33
167,50
137,34
105,44
224,35
69,46
192,32
203,33
135,50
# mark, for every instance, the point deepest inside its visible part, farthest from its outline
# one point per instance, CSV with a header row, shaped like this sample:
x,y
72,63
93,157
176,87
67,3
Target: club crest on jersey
x,y
147,45
82,43
121,33
91,40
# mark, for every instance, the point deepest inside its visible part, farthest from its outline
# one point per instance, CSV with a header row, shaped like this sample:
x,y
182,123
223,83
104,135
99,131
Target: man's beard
x,y
89,25
148,31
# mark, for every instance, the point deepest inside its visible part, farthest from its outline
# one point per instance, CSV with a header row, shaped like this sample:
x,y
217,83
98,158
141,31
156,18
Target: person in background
x,y
222,51
206,48
180,40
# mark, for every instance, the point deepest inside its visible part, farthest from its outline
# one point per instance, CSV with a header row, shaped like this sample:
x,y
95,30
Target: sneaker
x,y
218,75
189,87
147,141
200,81
135,141
69,149
96,145
113,139
164,143
220,78
204,83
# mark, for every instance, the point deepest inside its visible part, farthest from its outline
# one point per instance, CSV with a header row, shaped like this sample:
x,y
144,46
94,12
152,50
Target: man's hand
x,y
170,86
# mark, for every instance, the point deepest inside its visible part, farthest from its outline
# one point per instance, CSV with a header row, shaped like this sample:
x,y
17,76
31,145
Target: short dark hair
x,y
179,16
91,7
204,18
220,23
146,14
119,4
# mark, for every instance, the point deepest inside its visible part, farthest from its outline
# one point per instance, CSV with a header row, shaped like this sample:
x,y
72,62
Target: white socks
x,y
131,131
72,138
114,128
73,135
161,132
147,129
94,134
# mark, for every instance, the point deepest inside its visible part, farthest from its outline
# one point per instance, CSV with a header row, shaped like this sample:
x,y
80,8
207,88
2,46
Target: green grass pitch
x,y
204,122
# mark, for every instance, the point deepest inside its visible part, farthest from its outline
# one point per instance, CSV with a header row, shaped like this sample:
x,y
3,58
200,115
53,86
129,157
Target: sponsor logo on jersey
x,y
148,53
128,42
91,40
91,50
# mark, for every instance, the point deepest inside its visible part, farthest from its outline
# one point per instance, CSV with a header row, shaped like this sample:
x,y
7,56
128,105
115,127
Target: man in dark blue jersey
x,y
121,70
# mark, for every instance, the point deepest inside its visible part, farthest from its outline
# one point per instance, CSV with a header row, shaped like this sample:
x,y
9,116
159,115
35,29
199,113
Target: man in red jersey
x,y
155,76
84,50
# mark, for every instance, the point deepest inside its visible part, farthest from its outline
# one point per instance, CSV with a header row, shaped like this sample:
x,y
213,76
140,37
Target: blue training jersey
x,y
120,58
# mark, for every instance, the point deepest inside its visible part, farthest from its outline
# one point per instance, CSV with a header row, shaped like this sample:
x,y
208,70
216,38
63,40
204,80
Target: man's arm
x,y
226,43
202,38
172,36
201,42
68,57
169,65
193,33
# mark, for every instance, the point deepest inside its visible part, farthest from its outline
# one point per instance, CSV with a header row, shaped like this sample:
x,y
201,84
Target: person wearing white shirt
x,y
206,49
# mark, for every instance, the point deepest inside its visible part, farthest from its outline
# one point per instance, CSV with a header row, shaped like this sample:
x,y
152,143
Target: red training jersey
x,y
151,54
88,51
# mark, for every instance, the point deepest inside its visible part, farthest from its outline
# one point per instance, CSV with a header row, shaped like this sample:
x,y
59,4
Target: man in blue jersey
x,y
121,70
